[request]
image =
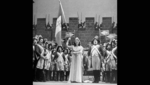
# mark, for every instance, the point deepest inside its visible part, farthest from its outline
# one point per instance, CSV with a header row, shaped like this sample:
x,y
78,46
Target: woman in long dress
x,y
76,63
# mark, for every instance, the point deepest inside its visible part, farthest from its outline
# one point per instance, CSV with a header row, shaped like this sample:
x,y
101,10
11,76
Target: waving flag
x,y
69,34
60,19
105,32
112,36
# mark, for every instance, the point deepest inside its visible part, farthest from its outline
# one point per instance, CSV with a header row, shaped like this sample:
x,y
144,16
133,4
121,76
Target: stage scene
x,y
74,42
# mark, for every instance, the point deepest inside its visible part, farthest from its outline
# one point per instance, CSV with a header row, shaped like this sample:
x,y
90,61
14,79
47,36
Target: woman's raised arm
x,y
68,43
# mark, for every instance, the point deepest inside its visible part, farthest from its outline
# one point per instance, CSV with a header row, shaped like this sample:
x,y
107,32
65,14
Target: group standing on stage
x,y
57,63
50,63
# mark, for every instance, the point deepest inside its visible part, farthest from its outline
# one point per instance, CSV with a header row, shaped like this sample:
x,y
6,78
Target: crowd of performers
x,y
49,61
52,62
104,60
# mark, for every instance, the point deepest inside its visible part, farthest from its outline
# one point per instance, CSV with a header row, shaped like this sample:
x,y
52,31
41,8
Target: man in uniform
x,y
40,64
96,59
35,57
37,52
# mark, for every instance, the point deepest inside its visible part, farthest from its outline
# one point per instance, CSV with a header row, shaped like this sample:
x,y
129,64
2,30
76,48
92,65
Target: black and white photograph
x,y
74,42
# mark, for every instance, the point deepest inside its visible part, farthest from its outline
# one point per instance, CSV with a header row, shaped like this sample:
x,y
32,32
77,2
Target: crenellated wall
x,y
84,35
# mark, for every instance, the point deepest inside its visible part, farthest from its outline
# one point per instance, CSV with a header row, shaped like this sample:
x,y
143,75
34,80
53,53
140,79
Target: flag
x,y
61,13
112,36
59,21
69,34
105,32
58,31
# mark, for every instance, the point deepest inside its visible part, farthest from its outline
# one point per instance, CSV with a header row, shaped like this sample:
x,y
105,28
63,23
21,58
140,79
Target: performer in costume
x,y
104,62
52,65
55,73
60,63
85,62
49,60
40,63
66,63
107,65
76,61
96,59
35,58
114,67
111,64
37,53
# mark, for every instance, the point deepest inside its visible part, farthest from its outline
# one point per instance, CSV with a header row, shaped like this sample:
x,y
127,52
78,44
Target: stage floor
x,y
66,83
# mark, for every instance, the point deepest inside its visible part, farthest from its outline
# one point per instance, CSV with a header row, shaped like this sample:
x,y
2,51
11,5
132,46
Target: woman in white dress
x,y
76,63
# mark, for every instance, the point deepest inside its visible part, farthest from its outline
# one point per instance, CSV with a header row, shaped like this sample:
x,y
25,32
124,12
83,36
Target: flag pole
x,y
100,34
46,19
98,20
81,17
33,19
78,17
99,29
62,11
49,19
74,33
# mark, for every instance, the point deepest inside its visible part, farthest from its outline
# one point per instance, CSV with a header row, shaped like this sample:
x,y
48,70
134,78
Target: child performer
x,y
60,63
66,63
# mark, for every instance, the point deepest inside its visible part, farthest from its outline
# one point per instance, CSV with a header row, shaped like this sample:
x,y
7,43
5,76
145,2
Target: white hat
x,y
96,37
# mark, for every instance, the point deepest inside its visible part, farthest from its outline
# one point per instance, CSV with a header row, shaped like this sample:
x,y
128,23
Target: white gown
x,y
76,65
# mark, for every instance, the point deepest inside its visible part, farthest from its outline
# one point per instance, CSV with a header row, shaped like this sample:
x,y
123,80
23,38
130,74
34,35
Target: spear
x,y
96,18
78,17
81,17
99,20
35,20
49,18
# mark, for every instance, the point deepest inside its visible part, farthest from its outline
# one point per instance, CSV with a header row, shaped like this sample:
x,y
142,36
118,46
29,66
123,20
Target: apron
x,y
60,61
48,60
